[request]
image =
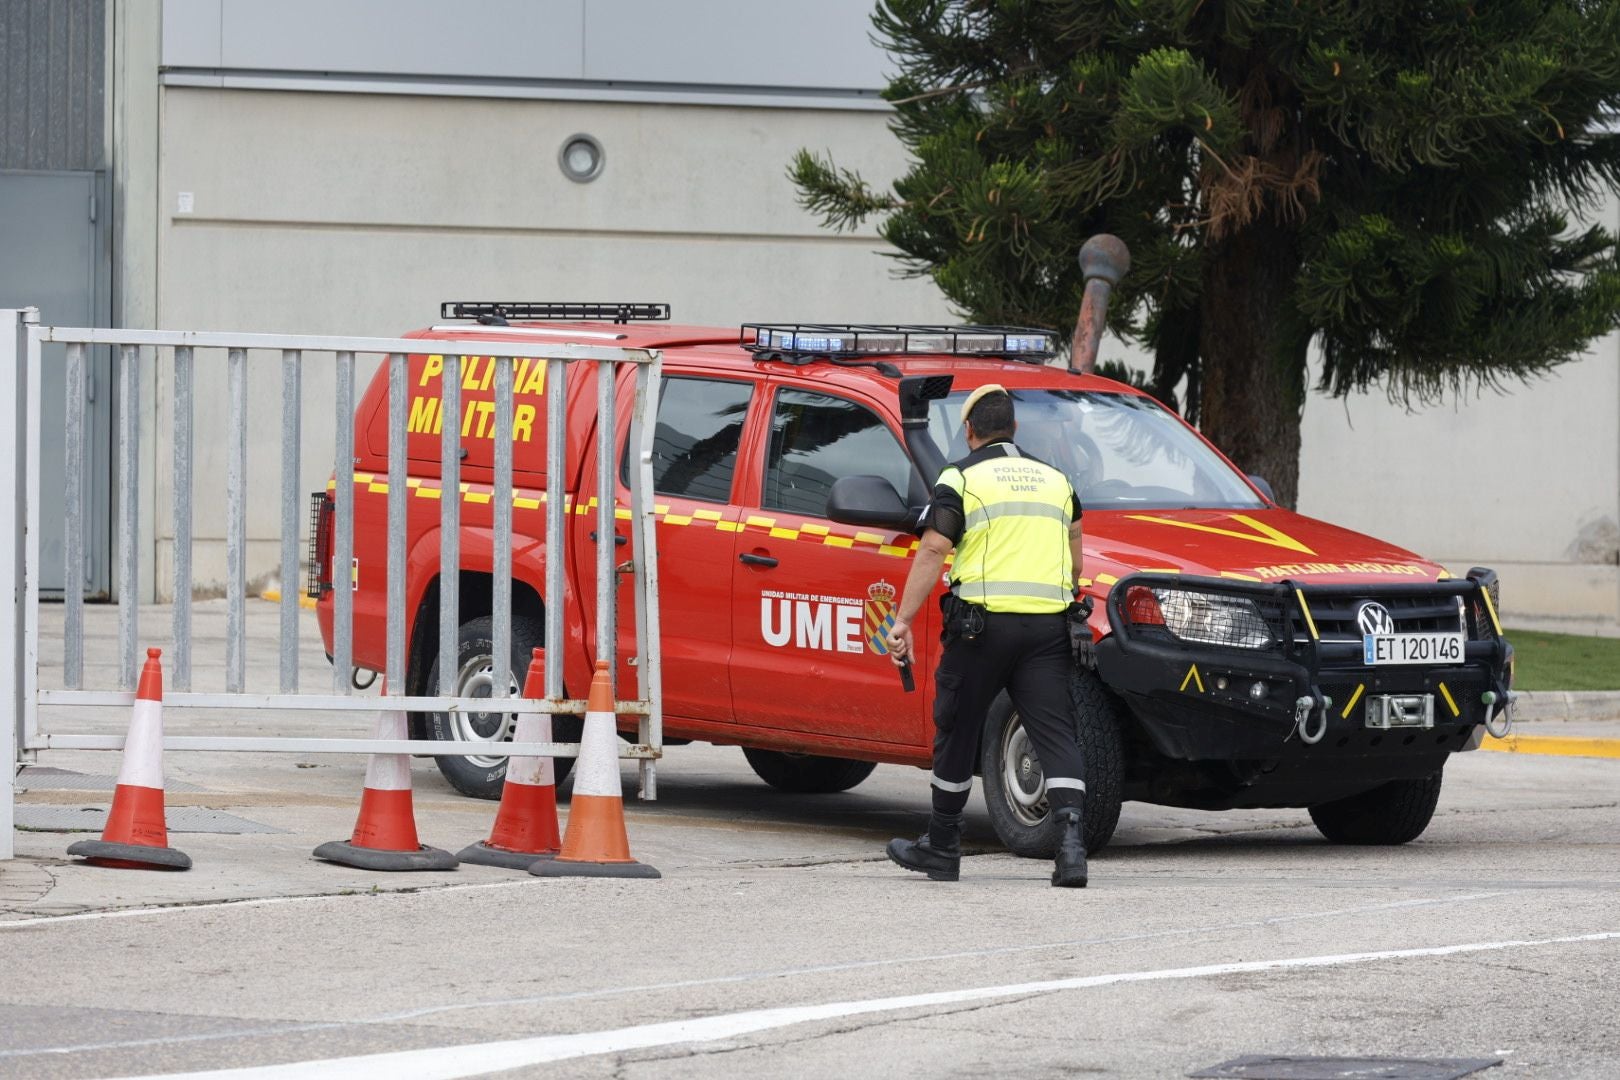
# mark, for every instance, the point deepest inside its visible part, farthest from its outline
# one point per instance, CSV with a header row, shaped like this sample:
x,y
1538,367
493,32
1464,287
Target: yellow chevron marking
x,y
814,530
622,513
1085,583
1451,702
413,481
429,493
868,538
660,508
1193,677
706,515
378,488
1355,697
784,534
839,542
478,496
677,519
729,526
1445,575
525,504
892,549
1107,579
1306,608
1235,576
760,522
1263,533
1490,607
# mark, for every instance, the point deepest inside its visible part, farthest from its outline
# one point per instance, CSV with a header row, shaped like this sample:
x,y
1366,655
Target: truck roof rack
x,y
799,343
499,313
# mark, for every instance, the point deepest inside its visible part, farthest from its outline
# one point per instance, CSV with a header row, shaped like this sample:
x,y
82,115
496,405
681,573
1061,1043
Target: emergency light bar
x,y
500,312
806,340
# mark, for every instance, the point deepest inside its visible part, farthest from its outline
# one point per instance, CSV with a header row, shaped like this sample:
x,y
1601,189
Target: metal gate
x,y
27,705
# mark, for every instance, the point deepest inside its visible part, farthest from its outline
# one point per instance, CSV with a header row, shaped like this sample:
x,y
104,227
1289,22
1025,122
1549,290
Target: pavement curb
x,y
1541,705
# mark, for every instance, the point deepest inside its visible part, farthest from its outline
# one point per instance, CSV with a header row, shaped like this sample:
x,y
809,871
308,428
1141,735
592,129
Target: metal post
x,y
291,383
129,439
449,522
606,575
397,409
556,540
1104,259
644,527
13,572
28,461
501,523
343,528
236,526
73,523
179,669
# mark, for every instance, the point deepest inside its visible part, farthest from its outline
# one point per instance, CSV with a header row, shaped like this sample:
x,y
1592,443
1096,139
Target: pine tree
x,y
1399,181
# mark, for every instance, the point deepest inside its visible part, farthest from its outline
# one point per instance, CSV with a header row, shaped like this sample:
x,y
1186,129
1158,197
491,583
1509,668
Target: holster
x,y
959,619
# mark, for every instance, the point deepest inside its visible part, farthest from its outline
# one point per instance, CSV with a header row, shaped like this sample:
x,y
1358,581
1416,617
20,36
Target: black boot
x,y
937,853
1070,871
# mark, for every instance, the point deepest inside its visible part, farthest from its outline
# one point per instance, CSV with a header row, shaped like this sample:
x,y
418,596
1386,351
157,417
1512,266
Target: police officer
x,y
1015,525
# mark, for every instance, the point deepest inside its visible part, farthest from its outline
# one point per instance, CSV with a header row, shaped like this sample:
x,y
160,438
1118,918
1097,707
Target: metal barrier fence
x,y
20,351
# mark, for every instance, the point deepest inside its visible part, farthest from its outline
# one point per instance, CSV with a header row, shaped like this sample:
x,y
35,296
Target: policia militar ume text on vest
x,y
1014,523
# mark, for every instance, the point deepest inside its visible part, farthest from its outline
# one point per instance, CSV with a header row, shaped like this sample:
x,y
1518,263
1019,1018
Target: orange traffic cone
x,y
385,832
137,836
596,844
526,824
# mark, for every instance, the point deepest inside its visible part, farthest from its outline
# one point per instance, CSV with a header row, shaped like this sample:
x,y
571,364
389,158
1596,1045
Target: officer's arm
x,y
1075,551
925,573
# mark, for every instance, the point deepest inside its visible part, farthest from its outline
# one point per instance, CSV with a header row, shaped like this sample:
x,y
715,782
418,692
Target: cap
x,y
979,395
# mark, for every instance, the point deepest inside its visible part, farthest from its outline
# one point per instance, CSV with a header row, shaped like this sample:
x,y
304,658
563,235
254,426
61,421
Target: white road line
x,y
450,1062
294,1027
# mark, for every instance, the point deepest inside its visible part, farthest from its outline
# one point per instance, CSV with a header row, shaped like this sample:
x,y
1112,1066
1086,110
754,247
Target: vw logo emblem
x,y
1374,618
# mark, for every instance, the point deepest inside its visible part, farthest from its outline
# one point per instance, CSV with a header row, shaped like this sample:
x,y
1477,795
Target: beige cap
x,y
978,395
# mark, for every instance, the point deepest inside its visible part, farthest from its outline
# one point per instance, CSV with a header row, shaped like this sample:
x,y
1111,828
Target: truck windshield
x,y
1120,451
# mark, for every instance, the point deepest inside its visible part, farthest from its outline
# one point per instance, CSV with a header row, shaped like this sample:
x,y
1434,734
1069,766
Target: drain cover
x,y
180,819
1274,1067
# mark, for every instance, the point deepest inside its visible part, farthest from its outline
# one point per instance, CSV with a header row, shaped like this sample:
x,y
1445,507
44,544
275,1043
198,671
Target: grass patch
x,y
1564,661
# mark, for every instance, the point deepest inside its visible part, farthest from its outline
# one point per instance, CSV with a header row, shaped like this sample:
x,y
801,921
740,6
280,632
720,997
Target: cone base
x,y
344,853
130,856
574,868
482,854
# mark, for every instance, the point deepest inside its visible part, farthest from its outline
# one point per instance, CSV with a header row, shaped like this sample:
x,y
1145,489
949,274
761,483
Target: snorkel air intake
x,y
916,392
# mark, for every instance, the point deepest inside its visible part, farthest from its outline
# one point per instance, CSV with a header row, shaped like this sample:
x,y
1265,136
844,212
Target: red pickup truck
x,y
1244,655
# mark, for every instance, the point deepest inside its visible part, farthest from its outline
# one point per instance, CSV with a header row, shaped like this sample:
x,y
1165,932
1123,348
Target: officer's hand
x,y
899,642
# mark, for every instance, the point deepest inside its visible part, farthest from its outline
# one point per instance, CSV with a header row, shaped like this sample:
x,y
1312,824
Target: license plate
x,y
1381,649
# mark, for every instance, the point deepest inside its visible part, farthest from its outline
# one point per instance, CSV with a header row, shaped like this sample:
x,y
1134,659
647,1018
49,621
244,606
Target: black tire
x,y
484,777
1391,813
1015,787
807,774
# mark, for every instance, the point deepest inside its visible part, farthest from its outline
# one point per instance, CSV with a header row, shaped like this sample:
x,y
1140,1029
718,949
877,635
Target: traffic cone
x,y
137,836
385,832
526,823
596,844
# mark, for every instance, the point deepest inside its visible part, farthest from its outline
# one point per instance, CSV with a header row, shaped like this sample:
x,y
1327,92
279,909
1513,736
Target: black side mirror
x,y
868,500
1264,485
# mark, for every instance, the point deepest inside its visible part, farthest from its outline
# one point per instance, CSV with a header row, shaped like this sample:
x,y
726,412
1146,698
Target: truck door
x,y
699,427
812,596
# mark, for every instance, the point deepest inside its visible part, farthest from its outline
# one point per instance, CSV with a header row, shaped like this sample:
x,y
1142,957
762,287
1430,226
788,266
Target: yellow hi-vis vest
x,y
1014,552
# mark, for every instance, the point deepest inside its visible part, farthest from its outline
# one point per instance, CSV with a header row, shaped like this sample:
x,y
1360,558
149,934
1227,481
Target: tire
x,y
483,777
1015,787
1391,813
807,774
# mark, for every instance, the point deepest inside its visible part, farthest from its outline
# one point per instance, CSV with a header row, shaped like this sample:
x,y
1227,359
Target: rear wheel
x,y
807,774
484,775
1015,784
1391,813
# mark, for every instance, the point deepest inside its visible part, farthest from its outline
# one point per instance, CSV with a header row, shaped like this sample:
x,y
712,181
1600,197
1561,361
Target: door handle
x,y
618,540
756,560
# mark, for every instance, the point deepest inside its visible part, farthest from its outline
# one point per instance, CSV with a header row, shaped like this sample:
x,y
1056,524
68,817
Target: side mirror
x,y
1264,485
868,500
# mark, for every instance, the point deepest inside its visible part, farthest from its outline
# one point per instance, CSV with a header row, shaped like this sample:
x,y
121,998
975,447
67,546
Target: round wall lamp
x,y
581,158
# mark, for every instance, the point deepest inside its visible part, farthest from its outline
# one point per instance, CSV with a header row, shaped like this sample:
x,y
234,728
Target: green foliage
x,y
1425,158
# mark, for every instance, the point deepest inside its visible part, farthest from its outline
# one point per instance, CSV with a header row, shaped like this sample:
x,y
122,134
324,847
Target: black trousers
x,y
1029,657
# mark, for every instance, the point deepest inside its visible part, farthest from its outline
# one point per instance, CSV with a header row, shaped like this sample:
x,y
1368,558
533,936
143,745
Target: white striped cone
x,y
385,832
137,835
596,844
526,824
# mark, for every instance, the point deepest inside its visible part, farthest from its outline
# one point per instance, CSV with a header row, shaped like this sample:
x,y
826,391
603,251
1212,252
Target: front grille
x,y
320,543
1335,616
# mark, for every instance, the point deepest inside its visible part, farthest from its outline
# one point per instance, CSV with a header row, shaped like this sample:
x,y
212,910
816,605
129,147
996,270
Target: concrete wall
x,y
359,213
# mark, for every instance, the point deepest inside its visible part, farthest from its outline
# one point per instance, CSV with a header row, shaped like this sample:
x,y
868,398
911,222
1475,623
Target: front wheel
x,y
1391,813
807,774
483,776
1015,784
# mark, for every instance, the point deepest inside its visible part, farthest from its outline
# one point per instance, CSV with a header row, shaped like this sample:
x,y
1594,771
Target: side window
x,y
816,439
700,423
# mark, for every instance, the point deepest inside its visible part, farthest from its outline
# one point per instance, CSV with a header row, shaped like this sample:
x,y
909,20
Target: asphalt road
x,y
779,943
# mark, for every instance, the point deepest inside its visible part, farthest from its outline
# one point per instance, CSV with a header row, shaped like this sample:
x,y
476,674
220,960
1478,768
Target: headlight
x,y
1211,619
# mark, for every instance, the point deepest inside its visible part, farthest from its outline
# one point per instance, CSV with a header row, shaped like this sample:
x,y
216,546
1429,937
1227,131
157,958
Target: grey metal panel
x,y
191,33
486,38
797,45
52,76
807,44
48,216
